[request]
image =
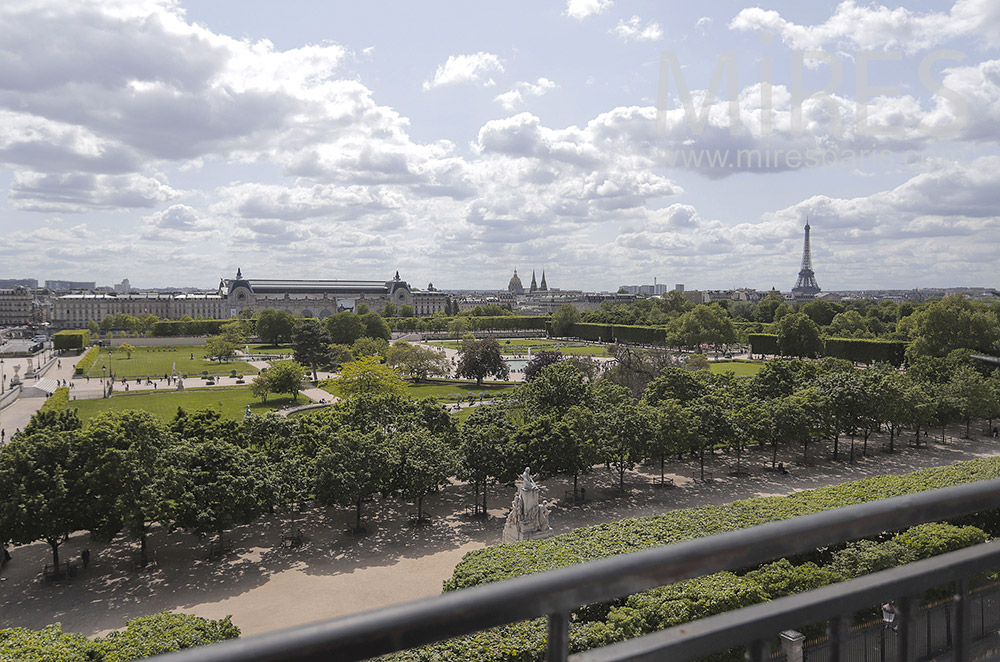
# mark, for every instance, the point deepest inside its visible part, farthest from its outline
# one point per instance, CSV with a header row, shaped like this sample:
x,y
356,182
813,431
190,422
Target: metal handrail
x,y
556,593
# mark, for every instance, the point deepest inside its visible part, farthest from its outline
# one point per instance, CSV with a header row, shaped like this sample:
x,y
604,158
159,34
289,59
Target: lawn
x,y
231,402
520,347
271,349
740,368
450,391
159,361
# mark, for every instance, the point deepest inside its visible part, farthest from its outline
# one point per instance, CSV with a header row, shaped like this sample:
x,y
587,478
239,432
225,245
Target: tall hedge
x,y
858,350
87,362
175,328
71,339
636,335
763,343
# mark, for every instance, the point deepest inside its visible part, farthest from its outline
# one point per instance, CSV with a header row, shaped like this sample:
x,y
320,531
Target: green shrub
x,y
58,401
866,350
87,362
763,343
71,339
50,643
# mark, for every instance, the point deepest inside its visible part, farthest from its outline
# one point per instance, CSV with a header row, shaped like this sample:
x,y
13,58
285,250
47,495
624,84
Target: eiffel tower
x,y
806,283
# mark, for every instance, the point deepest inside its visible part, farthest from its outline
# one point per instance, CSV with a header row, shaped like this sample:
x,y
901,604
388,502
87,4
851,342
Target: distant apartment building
x,y
17,306
9,283
70,285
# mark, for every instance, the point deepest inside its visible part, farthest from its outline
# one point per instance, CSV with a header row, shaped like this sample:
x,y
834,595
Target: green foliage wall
x,y
87,362
175,328
763,343
866,351
71,339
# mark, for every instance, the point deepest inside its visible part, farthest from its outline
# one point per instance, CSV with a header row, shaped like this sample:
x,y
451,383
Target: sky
x,y
607,142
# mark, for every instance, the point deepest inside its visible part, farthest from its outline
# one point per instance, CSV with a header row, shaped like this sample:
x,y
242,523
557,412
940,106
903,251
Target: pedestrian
x,y
85,555
3,433
996,432
889,616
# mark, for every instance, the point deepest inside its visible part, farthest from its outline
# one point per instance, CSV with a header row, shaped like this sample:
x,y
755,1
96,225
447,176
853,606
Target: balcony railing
x,y
555,594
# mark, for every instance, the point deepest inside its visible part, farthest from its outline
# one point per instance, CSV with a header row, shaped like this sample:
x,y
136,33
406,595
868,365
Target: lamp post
x,y
1,377
104,386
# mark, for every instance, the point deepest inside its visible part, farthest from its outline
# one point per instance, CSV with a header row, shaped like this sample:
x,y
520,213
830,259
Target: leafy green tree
x,y
416,361
622,430
126,349
556,388
849,324
120,459
352,466
821,312
704,325
275,326
376,327
425,464
93,327
220,348
478,359
483,449
286,377
389,309
165,632
799,336
344,328
458,326
563,320
366,346
671,432
772,308
367,378
53,420
673,383
713,425
42,489
539,361
211,486
261,386
235,332
406,310
950,324
972,394
311,344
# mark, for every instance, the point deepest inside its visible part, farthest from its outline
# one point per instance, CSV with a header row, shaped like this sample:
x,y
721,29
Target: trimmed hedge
x,y
599,625
629,535
87,362
495,323
869,351
141,638
71,339
763,343
58,401
175,328
608,333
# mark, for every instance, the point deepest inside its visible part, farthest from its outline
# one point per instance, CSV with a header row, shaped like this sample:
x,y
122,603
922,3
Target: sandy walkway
x,y
266,587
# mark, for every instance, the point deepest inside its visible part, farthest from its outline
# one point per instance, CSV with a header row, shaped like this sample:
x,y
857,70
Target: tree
x,y
563,320
416,361
220,347
539,361
261,386
673,383
366,346
127,350
286,377
425,463
798,336
555,388
704,325
389,309
821,312
344,328
93,327
458,326
376,327
622,429
671,432
482,451
311,344
275,326
352,466
235,332
849,324
406,310
41,489
368,378
210,486
970,391
950,324
120,460
478,359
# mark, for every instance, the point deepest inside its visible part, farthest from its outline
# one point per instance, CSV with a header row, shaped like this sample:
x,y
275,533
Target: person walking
x,y
85,556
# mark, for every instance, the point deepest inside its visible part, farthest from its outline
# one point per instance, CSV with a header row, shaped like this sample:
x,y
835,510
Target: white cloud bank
x,y
473,68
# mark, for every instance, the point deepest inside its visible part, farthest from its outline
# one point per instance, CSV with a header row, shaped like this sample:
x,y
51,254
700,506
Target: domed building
x,y
515,286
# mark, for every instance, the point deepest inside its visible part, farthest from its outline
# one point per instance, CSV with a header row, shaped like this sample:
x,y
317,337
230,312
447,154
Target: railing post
x,y
963,621
837,632
558,646
907,616
791,645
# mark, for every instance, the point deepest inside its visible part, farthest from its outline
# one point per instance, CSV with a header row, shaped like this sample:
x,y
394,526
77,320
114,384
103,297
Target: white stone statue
x,y
528,519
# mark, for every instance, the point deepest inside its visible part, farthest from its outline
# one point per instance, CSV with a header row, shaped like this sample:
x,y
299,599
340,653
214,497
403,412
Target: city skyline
x,y
172,142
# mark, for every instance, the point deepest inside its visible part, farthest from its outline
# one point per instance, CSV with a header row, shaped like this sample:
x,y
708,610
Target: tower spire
x,y
534,283
806,284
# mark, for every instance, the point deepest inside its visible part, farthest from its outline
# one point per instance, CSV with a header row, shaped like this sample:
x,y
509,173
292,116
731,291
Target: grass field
x,y
450,390
232,403
740,368
159,361
520,346
271,349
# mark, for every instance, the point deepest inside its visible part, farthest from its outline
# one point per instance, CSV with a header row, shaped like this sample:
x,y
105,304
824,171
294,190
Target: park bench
x,y
65,570
219,547
292,538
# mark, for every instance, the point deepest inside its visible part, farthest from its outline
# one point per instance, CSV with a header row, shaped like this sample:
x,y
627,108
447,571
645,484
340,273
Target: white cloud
x,y
517,95
581,9
634,30
473,68
79,192
878,27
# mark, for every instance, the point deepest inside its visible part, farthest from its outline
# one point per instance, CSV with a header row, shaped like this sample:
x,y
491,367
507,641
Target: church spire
x,y
543,287
534,283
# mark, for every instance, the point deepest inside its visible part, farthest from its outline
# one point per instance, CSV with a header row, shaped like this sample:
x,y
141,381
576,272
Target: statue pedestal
x,y
528,519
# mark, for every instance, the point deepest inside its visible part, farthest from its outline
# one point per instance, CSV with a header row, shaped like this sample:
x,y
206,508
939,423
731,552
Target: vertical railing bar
x,y
757,651
963,621
558,644
837,633
907,618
